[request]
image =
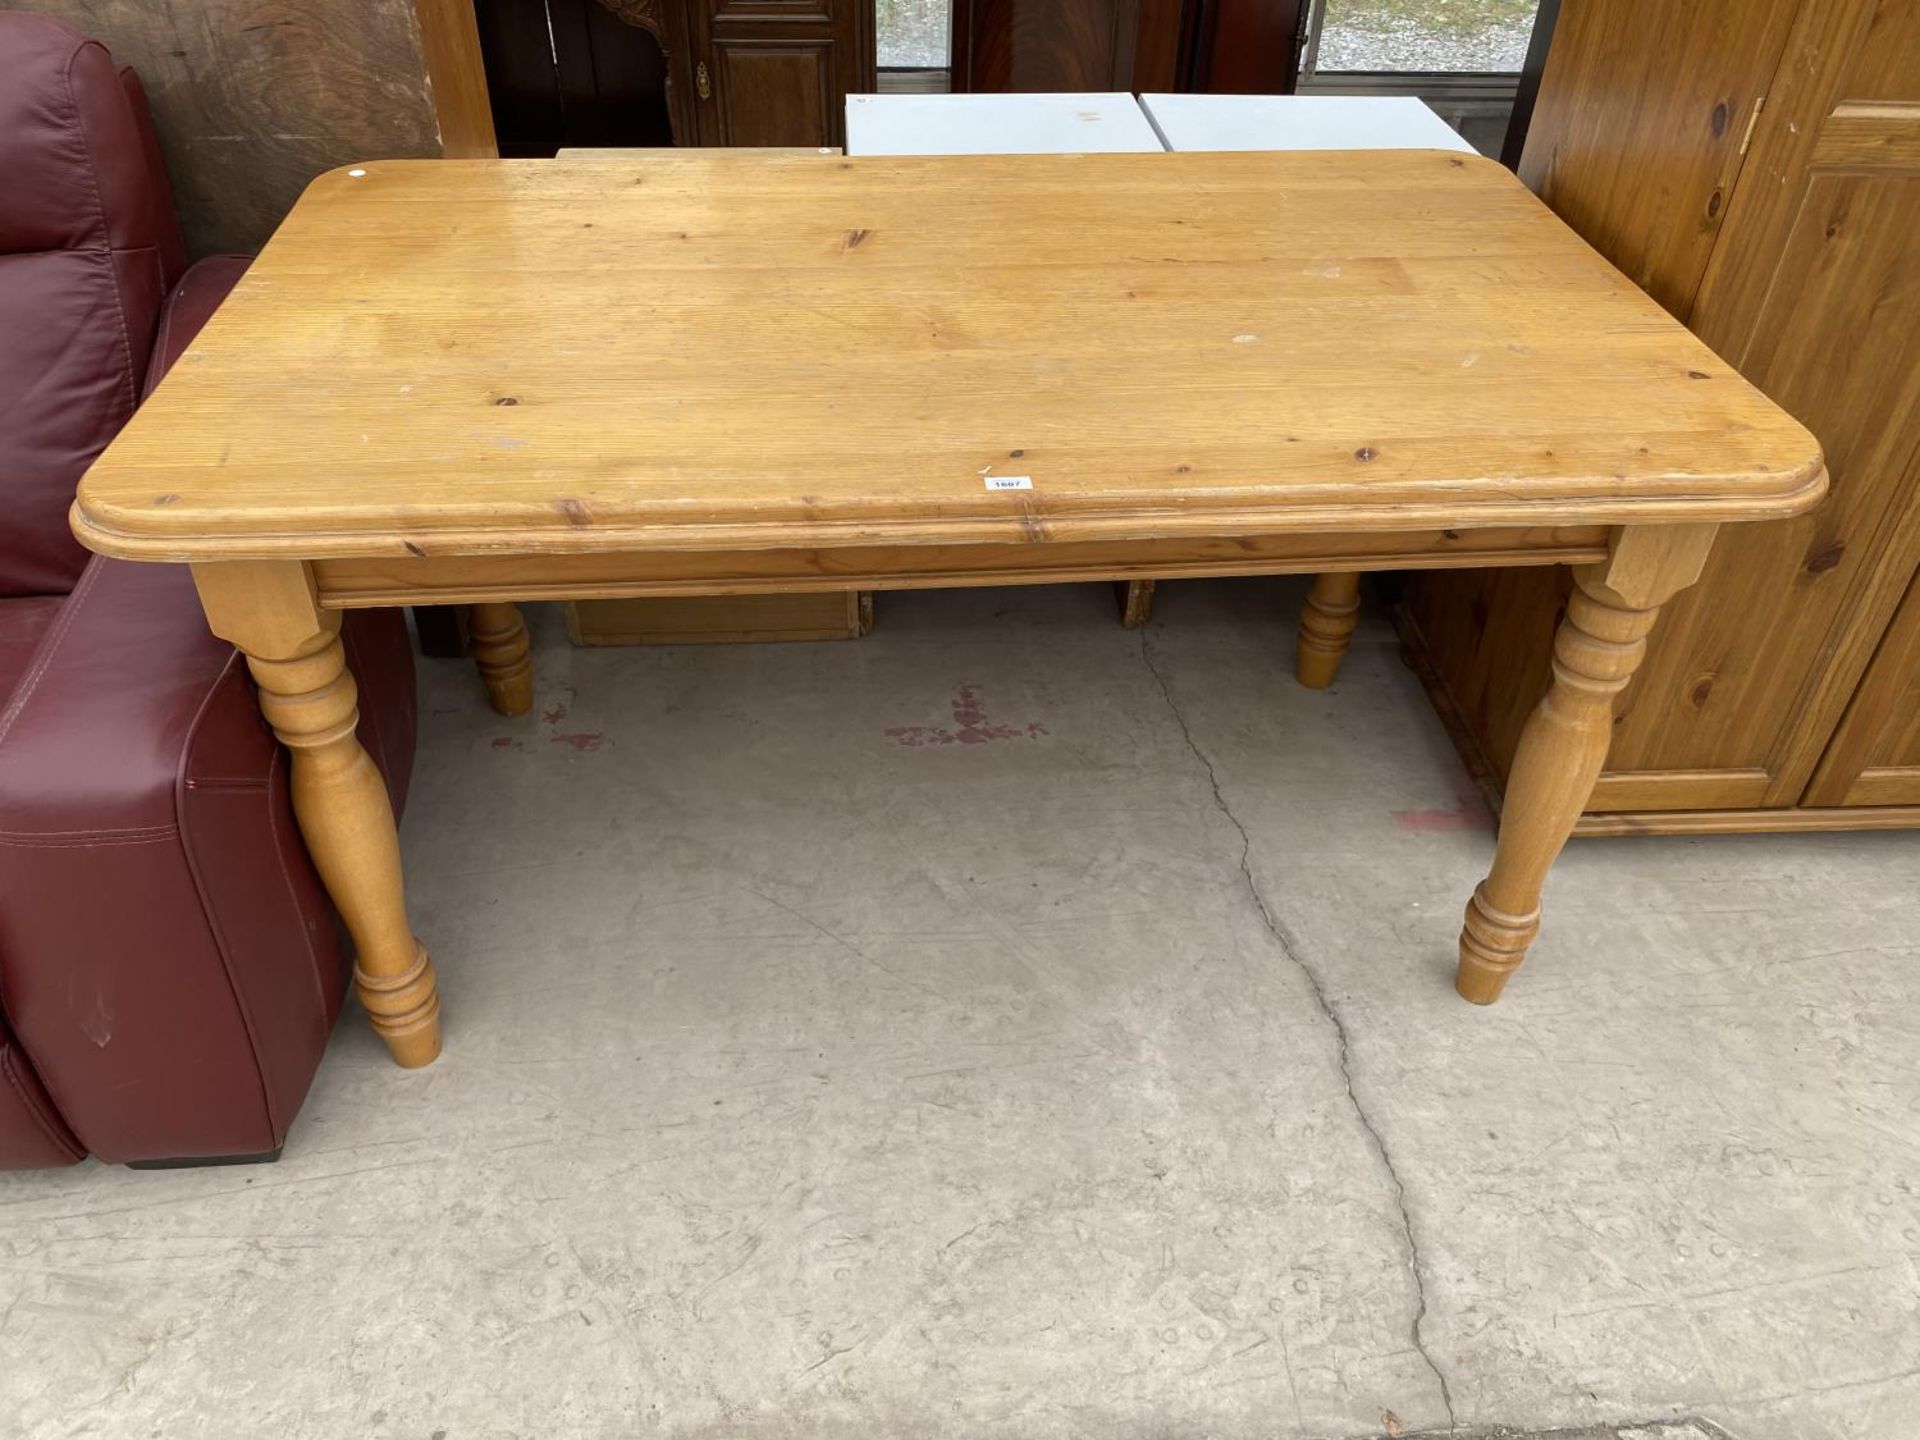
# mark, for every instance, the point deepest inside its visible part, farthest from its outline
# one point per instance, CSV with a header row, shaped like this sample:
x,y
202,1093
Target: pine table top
x,y
705,350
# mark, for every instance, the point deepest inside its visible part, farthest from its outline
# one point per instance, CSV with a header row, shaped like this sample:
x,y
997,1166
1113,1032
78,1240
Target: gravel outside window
x,y
912,34
1476,36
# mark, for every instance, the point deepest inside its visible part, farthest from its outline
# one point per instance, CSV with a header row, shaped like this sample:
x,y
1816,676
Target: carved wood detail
x,y
649,15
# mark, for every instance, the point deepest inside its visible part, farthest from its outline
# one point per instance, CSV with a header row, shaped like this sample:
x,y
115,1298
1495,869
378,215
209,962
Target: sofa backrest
x,y
89,245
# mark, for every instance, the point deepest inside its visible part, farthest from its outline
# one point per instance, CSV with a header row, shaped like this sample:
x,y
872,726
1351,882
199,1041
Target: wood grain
x,y
1874,756
719,619
1786,820
1049,45
253,98
498,637
1813,291
309,697
1636,133
1326,628
778,71
369,581
731,373
1729,818
1248,47
1597,648
456,77
1162,47
1136,602
705,350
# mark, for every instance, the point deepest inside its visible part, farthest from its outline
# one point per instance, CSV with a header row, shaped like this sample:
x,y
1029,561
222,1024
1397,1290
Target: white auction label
x,y
1009,482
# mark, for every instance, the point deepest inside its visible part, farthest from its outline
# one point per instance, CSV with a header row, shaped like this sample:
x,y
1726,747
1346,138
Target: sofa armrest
x,y
168,961
188,308
154,1022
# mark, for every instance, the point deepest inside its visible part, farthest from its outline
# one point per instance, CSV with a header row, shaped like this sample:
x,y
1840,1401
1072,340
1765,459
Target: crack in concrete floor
x,y
1088,1060
1290,948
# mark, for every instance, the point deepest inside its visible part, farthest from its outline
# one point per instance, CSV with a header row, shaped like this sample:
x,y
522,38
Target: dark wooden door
x,y
1797,264
777,72
1813,291
1044,45
1074,45
1247,47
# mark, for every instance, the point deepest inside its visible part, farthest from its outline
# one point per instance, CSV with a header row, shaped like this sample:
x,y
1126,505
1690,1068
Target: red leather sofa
x,y
169,965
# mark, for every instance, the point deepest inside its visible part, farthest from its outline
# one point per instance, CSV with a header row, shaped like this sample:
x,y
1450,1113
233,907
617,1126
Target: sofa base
x,y
195,1162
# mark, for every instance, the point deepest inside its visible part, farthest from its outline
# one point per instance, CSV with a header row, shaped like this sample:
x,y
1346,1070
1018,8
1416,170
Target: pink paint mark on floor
x,y
505,742
562,704
1469,812
579,740
970,725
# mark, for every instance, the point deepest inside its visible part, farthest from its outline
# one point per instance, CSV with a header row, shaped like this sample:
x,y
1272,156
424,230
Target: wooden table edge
x,y
1801,489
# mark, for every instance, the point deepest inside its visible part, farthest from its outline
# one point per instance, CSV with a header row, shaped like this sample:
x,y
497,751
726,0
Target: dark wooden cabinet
x,y
594,73
758,72
1756,167
615,73
777,72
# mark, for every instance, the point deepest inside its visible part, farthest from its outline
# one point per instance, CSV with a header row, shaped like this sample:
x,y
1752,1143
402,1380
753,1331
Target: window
x,y
1457,37
912,34
1463,57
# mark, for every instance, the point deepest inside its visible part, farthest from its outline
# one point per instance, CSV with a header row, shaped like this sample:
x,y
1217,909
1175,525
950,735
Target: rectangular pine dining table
x,y
718,372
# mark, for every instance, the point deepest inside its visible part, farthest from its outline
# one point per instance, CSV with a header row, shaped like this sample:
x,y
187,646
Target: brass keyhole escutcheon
x,y
700,81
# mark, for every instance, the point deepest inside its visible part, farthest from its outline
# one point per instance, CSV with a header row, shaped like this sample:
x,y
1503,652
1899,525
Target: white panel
x,y
996,125
1299,122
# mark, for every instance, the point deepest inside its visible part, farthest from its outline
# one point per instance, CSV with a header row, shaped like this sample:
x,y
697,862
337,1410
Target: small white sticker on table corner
x,y
1009,482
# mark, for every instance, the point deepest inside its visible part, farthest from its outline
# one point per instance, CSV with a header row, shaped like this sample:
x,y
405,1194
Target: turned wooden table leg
x,y
1326,627
268,609
499,639
1136,603
1564,744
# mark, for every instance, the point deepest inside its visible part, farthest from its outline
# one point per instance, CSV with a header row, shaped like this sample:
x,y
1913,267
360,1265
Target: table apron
x,y
372,581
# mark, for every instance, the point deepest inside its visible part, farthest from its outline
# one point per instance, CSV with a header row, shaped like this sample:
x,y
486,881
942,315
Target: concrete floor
x,y
1009,1025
